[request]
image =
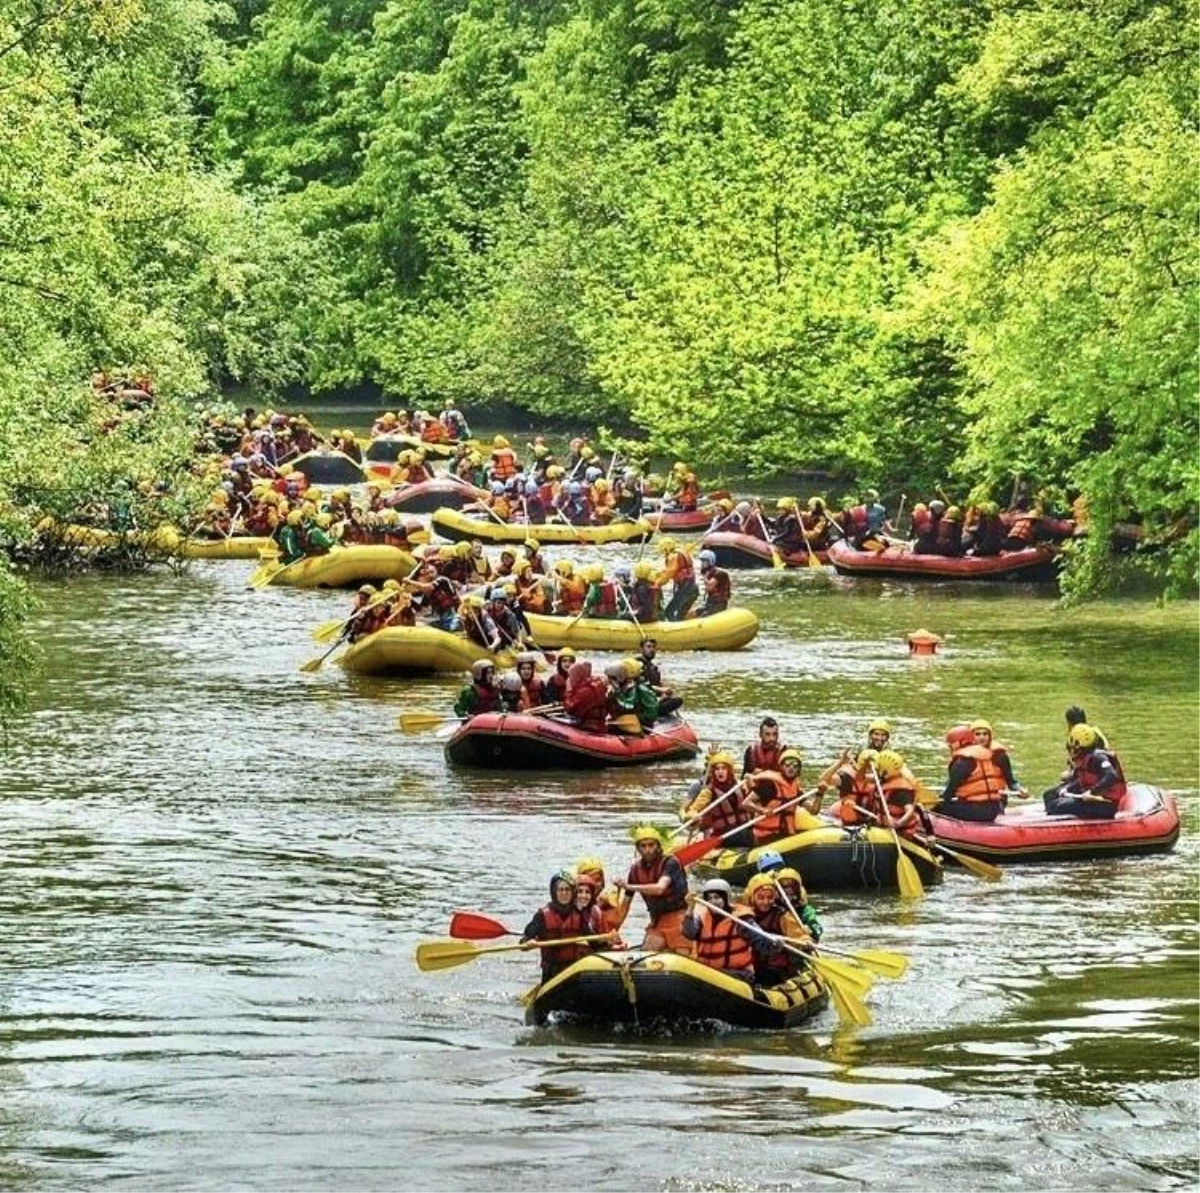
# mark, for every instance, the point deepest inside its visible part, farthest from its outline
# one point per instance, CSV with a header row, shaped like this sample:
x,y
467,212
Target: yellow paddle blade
x,y
851,1010
627,723
264,574
327,631
814,562
776,560
849,976
313,664
445,954
885,964
911,886
973,865
420,720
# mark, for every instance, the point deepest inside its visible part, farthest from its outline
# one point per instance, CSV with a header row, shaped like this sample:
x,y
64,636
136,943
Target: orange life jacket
x,y
571,592
688,497
904,783
986,781
720,943
504,463
1024,528
780,824
862,792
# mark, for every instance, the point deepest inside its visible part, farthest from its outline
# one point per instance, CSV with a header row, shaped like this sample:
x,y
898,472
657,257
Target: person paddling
x,y
662,883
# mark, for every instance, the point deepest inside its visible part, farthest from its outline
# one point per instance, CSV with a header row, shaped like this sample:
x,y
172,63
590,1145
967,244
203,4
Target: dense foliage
x,y
916,243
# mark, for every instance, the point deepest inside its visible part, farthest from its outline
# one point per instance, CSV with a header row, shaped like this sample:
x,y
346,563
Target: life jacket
x,y
563,924
720,943
606,603
862,792
533,694
689,496
532,598
726,816
546,493
501,508
949,536
779,824
1024,528
675,899
442,597
680,567
858,519
1085,774
556,687
986,781
571,592
504,463
904,783
434,432
778,965
486,699
645,601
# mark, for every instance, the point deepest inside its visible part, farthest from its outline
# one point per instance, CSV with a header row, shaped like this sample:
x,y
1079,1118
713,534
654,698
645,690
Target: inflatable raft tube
x,y
1147,821
728,630
680,521
329,468
401,650
631,986
442,492
1035,563
385,448
456,526
347,567
829,859
746,551
523,742
238,546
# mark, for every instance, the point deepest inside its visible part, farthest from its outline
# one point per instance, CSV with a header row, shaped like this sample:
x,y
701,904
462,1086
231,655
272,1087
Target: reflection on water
x,y
215,869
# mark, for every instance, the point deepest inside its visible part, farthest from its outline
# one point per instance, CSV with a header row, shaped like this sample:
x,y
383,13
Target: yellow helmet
x,y
786,874
220,497
633,667
791,755
499,442
314,494
523,567
786,503
474,601
565,568
589,865
722,758
889,764
340,495
679,466
725,505
1082,737
643,569
366,589
866,758
666,545
295,518
391,586
474,459
324,521
760,882
587,454
645,832
601,485
593,573
880,726
462,550
531,544
980,725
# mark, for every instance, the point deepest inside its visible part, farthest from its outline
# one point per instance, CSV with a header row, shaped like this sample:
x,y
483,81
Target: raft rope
x,y
862,848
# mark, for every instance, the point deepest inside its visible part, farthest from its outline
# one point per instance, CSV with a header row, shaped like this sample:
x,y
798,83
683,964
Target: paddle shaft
x,y
715,803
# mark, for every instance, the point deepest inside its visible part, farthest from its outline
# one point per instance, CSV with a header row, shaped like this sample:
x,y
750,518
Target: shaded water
x,y
215,869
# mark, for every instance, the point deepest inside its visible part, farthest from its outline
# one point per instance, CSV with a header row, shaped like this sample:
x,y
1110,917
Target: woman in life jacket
x,y
561,919
980,776
719,811
608,909
718,941
773,963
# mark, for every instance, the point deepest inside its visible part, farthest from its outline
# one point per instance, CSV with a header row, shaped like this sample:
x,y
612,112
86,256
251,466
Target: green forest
x,y
915,243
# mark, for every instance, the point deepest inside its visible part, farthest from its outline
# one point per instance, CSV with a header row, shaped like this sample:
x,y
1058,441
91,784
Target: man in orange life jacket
x,y
980,778
719,942
764,753
856,789
677,568
1096,785
772,790
560,919
661,881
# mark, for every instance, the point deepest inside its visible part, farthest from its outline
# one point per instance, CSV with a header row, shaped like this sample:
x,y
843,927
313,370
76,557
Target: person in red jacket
x,y
561,919
1096,785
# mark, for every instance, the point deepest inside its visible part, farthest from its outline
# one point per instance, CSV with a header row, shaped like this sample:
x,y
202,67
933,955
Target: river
x,y
215,870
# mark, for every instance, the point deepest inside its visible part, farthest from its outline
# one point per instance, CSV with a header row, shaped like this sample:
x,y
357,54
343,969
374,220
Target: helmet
x,y
919,508
574,488
593,573
679,466
721,758
707,559
622,572
616,672
953,514
632,667
576,444
563,875
743,508
725,505
958,737
499,442
324,521
866,758
314,494
937,508
509,553
592,474
889,764
770,860
540,451
601,485
510,681
510,590
791,755
295,518
879,725
590,865
391,586
643,570
554,472
786,503
366,589
717,886
565,568
461,550
975,725
496,594
497,488
645,832
815,504
340,495
587,454
757,883
481,667
1082,737
475,601
531,488
531,544
523,567
872,494
666,545
989,508
567,652
787,874
527,656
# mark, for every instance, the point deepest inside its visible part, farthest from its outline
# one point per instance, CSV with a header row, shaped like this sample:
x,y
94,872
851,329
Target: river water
x,y
215,870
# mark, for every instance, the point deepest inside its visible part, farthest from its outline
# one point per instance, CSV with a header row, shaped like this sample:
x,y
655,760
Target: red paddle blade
x,y
687,855
471,925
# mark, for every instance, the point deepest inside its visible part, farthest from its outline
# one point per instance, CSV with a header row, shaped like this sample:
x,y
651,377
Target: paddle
x,y
776,559
688,855
911,886
421,719
446,954
474,925
973,865
267,570
813,561
848,984
629,610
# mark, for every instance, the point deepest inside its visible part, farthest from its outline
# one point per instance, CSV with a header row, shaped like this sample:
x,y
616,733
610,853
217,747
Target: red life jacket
x,y
606,604
1086,774
1024,528
689,496
675,899
764,757
681,567
504,463
720,943
563,924
858,519
986,781
725,816
533,694
780,963
442,598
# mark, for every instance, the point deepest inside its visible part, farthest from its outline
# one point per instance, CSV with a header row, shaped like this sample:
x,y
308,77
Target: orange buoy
x,y
922,642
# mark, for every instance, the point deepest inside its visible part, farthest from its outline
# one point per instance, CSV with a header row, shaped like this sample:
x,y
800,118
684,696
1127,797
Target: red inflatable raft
x,y
746,551
524,742
1036,563
679,521
442,492
1146,822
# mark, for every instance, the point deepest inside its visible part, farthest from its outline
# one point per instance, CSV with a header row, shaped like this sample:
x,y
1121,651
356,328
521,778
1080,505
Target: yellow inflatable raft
x,y
457,526
729,630
344,567
238,546
400,649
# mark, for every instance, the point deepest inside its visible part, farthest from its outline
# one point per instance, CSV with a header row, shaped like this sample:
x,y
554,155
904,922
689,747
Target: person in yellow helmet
x,y
677,571
645,597
717,808
661,881
609,910
980,778
1096,784
570,590
775,800
898,787
773,963
879,734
